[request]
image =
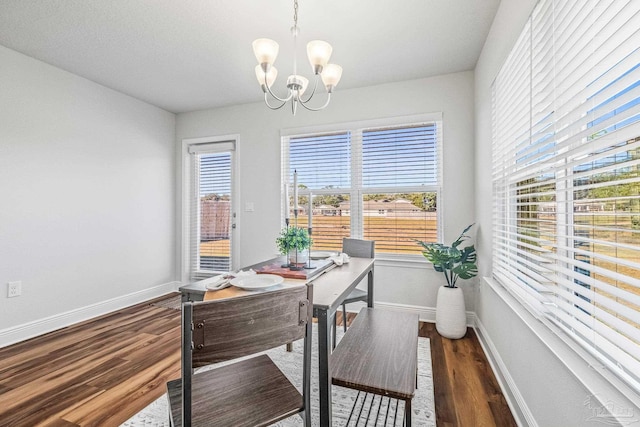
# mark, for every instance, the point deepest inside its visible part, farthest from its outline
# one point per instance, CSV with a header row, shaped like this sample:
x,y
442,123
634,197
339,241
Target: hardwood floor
x,y
97,373
465,389
103,371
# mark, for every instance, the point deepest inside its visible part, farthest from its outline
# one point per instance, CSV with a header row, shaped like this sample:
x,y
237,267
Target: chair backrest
x,y
359,248
231,328
226,329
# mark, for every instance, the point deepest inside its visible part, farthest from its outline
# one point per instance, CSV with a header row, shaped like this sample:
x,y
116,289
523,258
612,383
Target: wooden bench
x,y
379,354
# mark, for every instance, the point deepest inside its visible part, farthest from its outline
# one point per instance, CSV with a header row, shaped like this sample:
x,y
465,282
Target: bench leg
x,y
344,317
407,413
333,332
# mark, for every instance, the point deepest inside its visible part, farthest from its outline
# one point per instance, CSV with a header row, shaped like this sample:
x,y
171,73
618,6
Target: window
x,y
211,219
373,181
566,175
398,165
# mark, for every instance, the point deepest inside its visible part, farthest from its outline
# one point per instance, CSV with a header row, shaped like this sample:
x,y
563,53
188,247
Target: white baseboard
x,y
514,398
42,326
427,314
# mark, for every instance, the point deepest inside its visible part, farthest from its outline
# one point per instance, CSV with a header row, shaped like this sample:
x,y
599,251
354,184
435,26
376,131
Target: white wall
x,y
547,382
259,159
87,181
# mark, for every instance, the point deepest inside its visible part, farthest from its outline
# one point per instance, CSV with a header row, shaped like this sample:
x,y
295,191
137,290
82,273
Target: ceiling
x,y
187,55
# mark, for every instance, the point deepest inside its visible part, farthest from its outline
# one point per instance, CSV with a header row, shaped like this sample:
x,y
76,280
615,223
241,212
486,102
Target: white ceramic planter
x,y
451,316
301,258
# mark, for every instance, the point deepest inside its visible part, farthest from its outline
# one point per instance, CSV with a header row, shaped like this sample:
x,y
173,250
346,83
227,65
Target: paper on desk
x,y
221,281
213,281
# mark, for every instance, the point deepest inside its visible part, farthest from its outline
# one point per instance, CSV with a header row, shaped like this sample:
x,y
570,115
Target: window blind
x,y
566,175
400,157
323,165
322,161
211,213
403,159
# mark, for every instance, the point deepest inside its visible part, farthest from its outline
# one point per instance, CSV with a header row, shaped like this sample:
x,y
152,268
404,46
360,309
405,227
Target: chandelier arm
x,y
318,108
266,101
273,94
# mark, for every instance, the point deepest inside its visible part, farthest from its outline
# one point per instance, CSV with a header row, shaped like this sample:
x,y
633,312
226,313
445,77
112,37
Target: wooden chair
x,y
362,249
252,391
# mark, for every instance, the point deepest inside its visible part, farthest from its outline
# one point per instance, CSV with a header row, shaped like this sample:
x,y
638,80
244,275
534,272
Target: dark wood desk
x,y
330,288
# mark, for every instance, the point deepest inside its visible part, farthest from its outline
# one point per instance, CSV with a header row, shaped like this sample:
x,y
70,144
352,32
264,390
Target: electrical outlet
x,y
14,289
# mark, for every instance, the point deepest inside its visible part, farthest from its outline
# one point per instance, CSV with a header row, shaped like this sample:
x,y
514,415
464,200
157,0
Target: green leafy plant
x,y
293,238
454,262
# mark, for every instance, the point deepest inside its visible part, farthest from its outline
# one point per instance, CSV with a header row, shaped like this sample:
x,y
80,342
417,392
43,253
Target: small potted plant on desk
x,y
295,242
455,263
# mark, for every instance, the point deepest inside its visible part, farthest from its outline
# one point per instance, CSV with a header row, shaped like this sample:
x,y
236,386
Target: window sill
x,y
407,261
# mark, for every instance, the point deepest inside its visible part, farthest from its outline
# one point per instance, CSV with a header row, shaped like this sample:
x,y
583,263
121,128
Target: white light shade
x,y
305,83
319,53
295,81
271,75
331,75
266,50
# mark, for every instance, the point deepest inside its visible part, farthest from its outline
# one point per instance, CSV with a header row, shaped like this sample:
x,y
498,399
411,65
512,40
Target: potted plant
x,y
294,242
455,263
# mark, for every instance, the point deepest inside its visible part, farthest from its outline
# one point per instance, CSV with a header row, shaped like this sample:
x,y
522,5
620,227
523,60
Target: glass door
x,y
212,208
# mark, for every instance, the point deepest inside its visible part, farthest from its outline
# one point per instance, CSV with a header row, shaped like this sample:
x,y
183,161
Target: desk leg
x,y
191,296
324,351
370,288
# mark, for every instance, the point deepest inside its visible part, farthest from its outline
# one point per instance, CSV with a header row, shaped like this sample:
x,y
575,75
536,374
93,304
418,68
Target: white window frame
x,y
186,187
356,191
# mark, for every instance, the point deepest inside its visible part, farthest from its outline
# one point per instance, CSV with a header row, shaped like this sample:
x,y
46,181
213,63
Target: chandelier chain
x,y
295,13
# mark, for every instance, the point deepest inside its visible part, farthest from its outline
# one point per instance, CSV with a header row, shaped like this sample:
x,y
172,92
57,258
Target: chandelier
x,y
318,51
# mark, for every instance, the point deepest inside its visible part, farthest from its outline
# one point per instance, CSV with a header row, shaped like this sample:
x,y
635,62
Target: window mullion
x,y
563,216
357,225
195,215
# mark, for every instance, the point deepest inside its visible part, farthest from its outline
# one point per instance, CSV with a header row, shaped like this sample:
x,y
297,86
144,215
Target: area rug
x,y
173,302
156,414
